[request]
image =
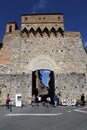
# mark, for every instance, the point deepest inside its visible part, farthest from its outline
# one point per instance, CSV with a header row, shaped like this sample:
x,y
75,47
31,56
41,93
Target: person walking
x,y
7,101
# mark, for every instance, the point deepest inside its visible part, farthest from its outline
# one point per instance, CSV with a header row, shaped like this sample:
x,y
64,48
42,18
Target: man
x,y
7,101
55,100
82,99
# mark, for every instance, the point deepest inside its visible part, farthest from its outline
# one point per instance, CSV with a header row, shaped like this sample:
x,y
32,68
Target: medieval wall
x,y
28,50
42,21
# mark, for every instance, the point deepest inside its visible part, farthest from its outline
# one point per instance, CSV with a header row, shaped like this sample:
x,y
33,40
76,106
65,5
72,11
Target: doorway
x,y
43,83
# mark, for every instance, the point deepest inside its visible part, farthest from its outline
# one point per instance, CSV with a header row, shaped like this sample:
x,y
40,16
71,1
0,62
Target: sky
x,y
45,76
75,13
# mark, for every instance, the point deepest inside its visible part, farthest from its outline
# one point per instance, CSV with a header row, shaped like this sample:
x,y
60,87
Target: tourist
x,y
7,101
36,101
10,105
43,100
68,101
48,101
33,100
39,99
82,99
56,100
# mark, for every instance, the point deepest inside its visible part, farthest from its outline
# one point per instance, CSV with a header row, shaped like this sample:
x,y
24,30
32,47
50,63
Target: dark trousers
x,y
10,107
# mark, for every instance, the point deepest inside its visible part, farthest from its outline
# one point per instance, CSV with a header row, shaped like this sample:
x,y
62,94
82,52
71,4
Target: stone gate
x,y
42,43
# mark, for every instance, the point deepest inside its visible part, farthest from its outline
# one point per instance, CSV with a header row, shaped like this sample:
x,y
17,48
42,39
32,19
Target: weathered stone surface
x,y
26,51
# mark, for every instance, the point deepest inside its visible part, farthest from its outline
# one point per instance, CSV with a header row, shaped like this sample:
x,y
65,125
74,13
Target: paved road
x,y
44,118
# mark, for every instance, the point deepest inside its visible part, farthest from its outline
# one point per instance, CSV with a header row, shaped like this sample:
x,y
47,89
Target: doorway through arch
x,y
43,83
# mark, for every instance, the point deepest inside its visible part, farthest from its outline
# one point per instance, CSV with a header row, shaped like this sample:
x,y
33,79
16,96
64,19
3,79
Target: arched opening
x,y
43,84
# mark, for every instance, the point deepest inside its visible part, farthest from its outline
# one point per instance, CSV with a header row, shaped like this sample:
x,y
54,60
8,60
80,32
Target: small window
x,y
26,18
58,17
10,28
44,18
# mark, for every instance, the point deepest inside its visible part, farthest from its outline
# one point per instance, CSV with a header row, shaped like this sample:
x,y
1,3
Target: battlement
x,y
45,32
72,34
11,27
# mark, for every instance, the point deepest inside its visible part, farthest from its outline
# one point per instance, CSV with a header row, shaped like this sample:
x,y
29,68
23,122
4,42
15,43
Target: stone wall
x,y
22,54
71,84
13,84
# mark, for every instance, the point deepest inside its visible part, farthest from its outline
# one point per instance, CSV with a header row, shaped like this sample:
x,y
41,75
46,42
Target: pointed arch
x,y
25,30
45,30
61,31
39,31
32,31
53,31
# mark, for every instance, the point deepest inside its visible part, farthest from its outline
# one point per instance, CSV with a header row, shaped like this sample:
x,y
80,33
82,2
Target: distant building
x,y
42,43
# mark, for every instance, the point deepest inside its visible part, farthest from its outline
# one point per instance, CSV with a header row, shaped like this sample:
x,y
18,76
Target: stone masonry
x,y
42,43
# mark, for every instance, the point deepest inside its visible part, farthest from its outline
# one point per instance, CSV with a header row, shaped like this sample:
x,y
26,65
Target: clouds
x,y
46,71
40,5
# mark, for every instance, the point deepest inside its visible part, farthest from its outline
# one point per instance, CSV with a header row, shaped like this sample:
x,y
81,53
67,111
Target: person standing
x,y
33,100
55,100
83,99
10,105
48,101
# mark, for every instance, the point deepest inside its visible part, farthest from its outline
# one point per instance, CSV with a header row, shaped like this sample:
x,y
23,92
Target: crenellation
x,y
30,20
73,34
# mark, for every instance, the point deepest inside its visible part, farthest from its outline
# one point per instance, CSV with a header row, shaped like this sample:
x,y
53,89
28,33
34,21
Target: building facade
x,y
42,43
